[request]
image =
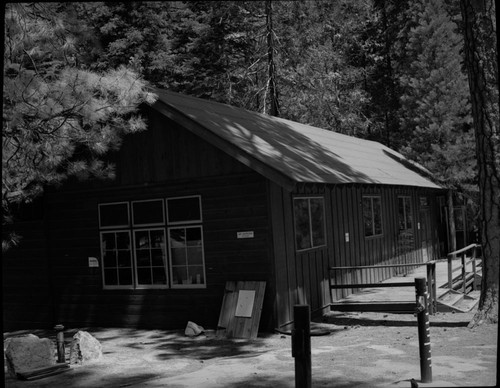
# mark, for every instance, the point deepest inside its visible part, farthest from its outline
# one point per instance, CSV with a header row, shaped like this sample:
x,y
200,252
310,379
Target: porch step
x,y
402,307
456,301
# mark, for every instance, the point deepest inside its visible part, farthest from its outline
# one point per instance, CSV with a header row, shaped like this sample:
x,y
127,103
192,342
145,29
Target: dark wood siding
x,y
25,276
229,205
303,277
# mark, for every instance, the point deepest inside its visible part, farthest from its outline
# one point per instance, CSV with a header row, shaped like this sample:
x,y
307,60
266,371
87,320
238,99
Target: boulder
x,y
84,348
193,330
28,352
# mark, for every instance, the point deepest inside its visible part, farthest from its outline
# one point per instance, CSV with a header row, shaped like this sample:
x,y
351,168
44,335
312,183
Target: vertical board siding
x,y
229,205
26,291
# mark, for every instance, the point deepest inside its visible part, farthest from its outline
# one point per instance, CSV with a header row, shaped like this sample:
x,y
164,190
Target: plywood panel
x,y
233,320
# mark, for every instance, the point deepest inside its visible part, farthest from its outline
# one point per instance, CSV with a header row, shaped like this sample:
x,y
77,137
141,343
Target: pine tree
x,y
59,119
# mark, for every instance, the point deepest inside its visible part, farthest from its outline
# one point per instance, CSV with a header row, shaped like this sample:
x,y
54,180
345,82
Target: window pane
x,y
368,216
409,216
194,256
124,259
302,227
125,276
177,237
157,259
110,277
317,221
193,236
123,240
144,276
148,212
142,239
113,214
109,259
108,241
179,275
178,256
377,215
159,276
184,209
142,257
195,275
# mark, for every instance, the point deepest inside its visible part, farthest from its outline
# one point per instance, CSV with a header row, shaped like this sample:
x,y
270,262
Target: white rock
x,y
28,352
84,348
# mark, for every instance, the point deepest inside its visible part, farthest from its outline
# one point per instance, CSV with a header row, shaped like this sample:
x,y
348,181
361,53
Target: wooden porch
x,y
396,294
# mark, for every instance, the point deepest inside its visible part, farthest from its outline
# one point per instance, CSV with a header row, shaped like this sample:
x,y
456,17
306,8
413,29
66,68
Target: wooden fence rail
x,y
462,267
431,280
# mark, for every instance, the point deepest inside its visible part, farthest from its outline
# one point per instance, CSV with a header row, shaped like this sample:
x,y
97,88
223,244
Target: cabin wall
x,y
26,289
229,205
303,276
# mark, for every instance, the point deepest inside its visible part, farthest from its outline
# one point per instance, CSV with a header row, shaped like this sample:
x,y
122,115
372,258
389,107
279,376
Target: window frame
x,y
126,226
180,286
371,197
132,228
405,214
168,222
138,226
308,198
111,286
136,284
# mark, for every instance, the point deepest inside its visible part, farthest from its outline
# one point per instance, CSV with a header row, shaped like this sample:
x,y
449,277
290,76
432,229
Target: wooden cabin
x,y
211,193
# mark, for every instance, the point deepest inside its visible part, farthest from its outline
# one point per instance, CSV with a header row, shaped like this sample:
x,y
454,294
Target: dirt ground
x,y
355,350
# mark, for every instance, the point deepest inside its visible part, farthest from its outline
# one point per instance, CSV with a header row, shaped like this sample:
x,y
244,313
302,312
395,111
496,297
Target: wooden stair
x,y
454,301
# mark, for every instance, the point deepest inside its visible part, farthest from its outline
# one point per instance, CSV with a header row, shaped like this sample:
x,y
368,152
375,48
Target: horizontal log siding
x,y
25,276
229,205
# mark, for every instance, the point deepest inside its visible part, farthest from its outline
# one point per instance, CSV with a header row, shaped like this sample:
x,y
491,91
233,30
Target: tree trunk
x,y
452,230
271,81
480,58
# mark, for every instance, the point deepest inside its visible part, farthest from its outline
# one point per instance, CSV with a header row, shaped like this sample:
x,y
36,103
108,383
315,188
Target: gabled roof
x,y
289,152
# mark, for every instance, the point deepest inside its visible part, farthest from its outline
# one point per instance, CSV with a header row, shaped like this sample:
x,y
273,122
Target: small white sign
x,y
347,237
93,262
247,234
244,306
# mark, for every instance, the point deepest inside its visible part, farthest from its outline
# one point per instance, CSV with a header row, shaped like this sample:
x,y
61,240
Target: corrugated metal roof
x,y
301,152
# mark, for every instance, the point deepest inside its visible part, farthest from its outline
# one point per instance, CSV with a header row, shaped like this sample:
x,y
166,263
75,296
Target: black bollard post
x,y
424,337
61,357
301,346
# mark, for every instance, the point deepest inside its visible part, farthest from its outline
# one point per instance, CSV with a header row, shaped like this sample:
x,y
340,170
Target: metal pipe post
x,y
61,358
301,346
424,338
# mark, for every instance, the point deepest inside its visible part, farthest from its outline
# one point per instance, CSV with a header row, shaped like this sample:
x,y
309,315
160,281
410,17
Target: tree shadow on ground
x,y
406,320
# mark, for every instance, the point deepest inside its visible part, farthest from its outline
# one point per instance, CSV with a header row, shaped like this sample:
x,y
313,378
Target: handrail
x,y
464,249
463,265
381,266
431,280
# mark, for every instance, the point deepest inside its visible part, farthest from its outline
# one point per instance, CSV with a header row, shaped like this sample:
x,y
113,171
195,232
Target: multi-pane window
x,y
372,215
137,253
309,218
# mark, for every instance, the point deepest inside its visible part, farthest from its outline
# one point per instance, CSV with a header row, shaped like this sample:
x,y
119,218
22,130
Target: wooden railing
x,y
431,280
462,267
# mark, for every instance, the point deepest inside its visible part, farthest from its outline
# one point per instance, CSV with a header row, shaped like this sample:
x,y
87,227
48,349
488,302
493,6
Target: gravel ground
x,y
356,350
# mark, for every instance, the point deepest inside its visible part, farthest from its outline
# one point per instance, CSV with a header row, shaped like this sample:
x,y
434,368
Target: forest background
x,y
390,71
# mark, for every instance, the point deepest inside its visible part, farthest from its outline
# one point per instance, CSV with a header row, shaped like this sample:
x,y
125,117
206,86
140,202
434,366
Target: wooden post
x,y
474,268
431,285
60,343
301,346
450,268
464,275
424,338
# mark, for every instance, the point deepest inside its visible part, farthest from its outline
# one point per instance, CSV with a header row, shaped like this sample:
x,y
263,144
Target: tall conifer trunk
x,y
481,61
271,82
